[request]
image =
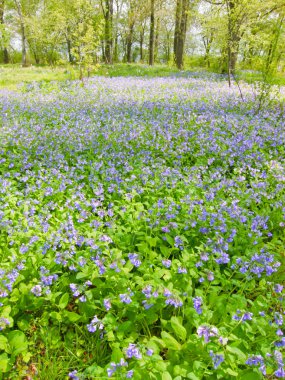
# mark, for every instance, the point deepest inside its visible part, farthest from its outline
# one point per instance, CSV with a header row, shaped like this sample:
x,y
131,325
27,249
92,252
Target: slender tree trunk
x,y
151,34
23,33
141,44
180,31
130,42
207,45
156,39
109,6
5,50
234,36
70,58
177,27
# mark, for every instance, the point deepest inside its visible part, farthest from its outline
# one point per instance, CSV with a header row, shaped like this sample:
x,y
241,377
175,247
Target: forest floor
x,y
141,227
13,75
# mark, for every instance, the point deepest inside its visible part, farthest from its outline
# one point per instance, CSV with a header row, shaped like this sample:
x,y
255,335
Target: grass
x,y
13,75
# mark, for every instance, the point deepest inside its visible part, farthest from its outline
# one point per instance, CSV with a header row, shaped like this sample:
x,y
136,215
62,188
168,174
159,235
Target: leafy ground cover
x,y
11,76
141,231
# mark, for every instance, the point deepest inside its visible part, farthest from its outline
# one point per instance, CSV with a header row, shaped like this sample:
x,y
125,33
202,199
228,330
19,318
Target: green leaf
x,y
117,355
17,341
169,341
63,302
178,328
192,376
250,375
237,352
231,372
71,316
4,363
3,343
166,376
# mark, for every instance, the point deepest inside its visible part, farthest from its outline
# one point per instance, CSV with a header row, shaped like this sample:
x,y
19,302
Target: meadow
x,y
141,230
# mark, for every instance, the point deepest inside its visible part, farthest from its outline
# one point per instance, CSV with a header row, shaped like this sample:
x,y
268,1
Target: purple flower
x,y
217,359
133,352
130,374
134,259
280,373
197,303
174,302
95,325
178,242
73,375
107,304
37,290
125,298
166,263
207,332
278,288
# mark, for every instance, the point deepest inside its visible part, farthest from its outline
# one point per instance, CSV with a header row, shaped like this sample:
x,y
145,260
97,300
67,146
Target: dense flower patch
x,y
142,227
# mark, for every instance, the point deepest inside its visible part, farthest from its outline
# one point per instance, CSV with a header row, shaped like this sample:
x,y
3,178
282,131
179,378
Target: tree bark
x,y
130,42
141,44
156,39
23,33
234,36
182,7
151,35
5,50
109,10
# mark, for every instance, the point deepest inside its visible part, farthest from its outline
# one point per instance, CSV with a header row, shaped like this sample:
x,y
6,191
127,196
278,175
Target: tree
x,y
151,34
19,9
108,11
182,9
4,35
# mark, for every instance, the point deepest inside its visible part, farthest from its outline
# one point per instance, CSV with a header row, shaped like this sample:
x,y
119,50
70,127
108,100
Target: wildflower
x,y
37,290
125,298
207,332
95,325
130,374
133,352
166,263
134,259
73,375
107,304
217,359
197,303
280,373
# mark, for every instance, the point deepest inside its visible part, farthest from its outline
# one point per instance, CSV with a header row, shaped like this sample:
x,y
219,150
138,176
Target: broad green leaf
x,y
192,376
231,372
166,376
71,316
169,341
4,363
63,302
236,351
178,328
3,343
17,341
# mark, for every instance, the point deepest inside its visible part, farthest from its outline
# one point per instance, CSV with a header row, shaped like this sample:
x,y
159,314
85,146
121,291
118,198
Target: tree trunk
x,y
23,33
70,58
156,39
182,7
5,51
130,42
234,36
177,27
151,35
141,44
109,31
